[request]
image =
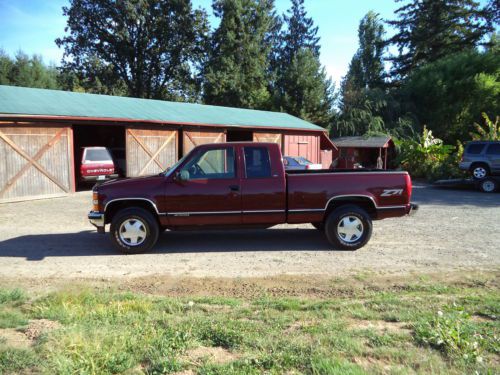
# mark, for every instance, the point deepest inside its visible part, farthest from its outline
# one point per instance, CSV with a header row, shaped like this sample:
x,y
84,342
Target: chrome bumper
x,y
97,220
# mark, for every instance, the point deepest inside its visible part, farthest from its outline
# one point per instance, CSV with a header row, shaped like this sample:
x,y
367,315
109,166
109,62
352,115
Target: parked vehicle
x,y
296,163
244,184
97,165
481,158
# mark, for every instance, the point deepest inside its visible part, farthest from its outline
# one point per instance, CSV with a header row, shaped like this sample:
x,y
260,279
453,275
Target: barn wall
x,y
35,161
307,146
193,138
150,151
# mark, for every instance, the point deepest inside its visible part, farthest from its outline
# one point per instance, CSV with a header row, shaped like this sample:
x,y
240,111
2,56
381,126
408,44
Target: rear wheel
x,y
134,230
488,185
348,227
479,171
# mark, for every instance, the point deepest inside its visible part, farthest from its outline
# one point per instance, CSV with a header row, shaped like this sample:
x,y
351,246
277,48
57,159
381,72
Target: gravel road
x,y
53,239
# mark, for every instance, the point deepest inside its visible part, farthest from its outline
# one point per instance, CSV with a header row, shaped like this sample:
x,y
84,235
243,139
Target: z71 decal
x,y
391,192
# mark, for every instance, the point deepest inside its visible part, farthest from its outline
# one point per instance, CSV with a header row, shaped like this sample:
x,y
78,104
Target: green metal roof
x,y
41,102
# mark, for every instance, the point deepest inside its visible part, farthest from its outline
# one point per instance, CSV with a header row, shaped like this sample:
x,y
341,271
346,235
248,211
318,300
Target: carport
x,y
42,133
368,152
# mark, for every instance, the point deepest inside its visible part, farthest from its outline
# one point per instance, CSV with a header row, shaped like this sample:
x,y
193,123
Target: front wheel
x,y
134,230
348,227
479,171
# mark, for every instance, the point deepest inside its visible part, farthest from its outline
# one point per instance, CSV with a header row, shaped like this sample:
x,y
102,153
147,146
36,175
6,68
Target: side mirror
x,y
183,175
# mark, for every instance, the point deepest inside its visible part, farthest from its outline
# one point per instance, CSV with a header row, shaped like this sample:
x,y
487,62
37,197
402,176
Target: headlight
x,y
95,201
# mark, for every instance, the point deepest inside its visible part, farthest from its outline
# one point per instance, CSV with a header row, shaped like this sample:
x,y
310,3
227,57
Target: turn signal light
x,y
95,201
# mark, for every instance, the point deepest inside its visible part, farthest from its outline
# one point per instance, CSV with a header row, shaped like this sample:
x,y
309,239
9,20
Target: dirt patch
x,y
15,338
216,355
369,362
483,318
380,326
297,326
40,326
185,372
26,337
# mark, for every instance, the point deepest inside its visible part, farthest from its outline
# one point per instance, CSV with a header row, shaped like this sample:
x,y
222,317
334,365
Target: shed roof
x,y
40,102
362,142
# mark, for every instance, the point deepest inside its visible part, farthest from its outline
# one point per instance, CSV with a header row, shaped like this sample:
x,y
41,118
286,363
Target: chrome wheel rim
x,y
350,229
488,186
479,172
132,232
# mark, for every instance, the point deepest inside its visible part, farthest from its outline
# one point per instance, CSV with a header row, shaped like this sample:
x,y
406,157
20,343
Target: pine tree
x,y
431,29
236,73
302,86
362,89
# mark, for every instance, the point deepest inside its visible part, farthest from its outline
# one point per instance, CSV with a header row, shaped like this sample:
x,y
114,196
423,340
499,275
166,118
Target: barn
x,y
43,131
368,152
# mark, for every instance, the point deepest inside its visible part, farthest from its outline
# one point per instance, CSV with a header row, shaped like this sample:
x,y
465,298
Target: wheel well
x,y
478,163
363,202
114,207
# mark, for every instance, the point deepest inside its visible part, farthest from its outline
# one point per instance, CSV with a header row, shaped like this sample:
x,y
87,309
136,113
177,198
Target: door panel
x,y
262,187
211,195
493,155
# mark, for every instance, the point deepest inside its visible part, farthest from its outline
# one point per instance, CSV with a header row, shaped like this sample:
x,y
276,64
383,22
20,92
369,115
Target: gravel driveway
x,y
452,230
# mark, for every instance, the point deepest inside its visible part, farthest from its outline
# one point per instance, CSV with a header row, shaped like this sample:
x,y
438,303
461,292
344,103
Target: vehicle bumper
x,y
464,165
412,208
97,220
96,178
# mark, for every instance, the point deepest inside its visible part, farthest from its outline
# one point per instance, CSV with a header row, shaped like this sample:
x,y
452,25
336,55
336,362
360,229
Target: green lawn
x,y
418,327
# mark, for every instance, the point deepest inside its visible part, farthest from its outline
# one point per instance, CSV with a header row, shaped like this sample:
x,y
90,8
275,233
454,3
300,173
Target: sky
x,y
33,25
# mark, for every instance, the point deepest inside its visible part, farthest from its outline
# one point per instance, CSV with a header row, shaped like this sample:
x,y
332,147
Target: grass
x,y
422,327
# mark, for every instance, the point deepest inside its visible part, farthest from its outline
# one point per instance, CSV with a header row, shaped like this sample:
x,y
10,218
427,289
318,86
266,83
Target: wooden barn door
x,y
267,137
191,139
307,146
35,161
150,151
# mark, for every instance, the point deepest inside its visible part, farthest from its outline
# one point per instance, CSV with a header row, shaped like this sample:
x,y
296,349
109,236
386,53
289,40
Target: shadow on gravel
x,y
89,243
427,194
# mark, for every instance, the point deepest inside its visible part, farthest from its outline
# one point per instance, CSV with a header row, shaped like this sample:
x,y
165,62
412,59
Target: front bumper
x,y
97,220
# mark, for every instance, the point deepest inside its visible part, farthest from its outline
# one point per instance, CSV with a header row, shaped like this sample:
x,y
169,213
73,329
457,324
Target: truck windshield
x,y
171,169
97,154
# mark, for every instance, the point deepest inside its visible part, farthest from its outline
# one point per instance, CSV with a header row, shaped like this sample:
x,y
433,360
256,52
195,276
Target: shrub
x,y
427,157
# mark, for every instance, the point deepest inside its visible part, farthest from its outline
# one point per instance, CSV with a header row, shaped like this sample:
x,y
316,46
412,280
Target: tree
x,y
308,93
302,86
450,94
236,73
363,96
152,47
27,71
429,30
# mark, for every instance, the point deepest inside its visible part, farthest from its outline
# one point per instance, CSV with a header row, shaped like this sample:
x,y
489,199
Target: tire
x,y
139,222
479,171
319,226
488,185
356,235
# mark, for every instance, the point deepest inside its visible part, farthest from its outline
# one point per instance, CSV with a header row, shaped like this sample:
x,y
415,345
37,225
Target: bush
x,y
427,157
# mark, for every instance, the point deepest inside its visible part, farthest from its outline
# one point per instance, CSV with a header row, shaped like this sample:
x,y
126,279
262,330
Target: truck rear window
x,y
475,148
100,154
257,162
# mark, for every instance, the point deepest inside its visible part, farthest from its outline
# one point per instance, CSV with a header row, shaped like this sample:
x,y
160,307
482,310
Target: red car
x,y
97,165
244,184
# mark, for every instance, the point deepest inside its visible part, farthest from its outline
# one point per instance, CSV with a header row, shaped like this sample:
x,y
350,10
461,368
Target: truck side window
x,y
216,163
257,162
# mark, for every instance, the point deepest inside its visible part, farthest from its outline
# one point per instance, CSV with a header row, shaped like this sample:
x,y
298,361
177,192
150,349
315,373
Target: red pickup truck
x,y
244,184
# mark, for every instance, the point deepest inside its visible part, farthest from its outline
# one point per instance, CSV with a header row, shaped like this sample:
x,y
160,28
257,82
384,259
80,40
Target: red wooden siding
x,y
307,146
